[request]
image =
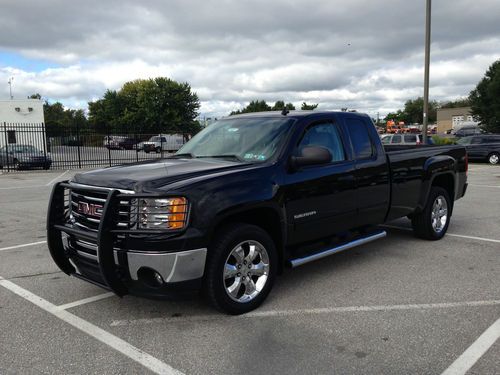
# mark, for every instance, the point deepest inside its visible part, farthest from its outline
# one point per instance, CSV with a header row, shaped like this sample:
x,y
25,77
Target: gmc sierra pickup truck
x,y
245,198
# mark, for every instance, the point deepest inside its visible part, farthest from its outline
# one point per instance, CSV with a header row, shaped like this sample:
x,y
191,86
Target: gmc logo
x,y
90,209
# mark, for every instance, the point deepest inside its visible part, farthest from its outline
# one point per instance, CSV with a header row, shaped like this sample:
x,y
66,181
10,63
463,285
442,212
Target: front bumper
x,y
107,255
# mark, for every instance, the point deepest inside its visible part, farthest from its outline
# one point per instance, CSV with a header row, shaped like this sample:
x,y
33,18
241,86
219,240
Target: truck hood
x,y
155,174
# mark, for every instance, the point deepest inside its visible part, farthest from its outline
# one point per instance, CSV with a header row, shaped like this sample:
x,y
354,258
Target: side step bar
x,y
360,241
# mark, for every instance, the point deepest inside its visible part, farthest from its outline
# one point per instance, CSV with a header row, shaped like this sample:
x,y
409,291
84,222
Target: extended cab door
x,y
320,200
372,171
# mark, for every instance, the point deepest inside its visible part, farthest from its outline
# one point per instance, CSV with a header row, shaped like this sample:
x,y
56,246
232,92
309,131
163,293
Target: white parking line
x,y
136,354
315,311
23,245
485,186
468,358
55,179
447,234
85,300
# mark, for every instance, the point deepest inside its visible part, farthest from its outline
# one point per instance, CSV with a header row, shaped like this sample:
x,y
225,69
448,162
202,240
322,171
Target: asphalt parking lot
x,y
396,306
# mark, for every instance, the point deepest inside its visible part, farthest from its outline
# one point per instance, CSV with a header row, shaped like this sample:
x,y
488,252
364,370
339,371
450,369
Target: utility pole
x,y
426,69
10,87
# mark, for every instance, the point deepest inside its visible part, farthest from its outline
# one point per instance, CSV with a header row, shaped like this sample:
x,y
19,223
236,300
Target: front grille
x,y
86,209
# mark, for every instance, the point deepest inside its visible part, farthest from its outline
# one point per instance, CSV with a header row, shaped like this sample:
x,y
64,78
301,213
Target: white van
x,y
165,142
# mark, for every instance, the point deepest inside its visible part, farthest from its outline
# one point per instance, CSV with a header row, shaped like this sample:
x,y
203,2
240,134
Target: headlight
x,y
163,213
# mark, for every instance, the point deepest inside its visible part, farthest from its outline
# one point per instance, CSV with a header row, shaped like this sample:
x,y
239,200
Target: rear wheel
x,y
16,165
158,150
494,158
432,223
241,268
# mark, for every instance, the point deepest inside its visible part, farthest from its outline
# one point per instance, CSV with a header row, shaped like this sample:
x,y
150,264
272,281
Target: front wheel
x,y
494,158
241,268
432,223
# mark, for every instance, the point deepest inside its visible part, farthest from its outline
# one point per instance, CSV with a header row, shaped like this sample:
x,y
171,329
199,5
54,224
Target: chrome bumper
x,y
173,267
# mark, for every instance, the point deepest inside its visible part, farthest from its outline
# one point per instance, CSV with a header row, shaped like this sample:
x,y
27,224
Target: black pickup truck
x,y
245,198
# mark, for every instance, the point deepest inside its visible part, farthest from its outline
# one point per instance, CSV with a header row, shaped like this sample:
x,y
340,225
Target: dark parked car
x,y
128,144
467,130
483,147
23,156
246,197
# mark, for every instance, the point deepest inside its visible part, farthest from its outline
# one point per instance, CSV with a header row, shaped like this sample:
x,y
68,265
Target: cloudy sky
x,y
358,54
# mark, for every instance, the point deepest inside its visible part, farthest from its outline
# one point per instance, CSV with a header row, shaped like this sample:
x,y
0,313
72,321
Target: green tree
x,y
253,106
485,99
280,105
462,102
414,111
308,107
147,106
35,96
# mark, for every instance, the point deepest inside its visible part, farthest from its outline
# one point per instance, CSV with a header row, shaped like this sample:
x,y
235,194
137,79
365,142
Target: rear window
x,y
360,138
410,138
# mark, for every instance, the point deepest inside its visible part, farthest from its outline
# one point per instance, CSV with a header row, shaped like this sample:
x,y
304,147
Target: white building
x,y
22,122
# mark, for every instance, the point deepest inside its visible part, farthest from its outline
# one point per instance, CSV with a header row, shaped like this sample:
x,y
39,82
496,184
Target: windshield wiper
x,y
232,156
184,155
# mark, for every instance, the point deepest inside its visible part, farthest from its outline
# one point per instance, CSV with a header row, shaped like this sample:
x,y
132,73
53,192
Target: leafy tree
x,y
147,106
280,105
253,106
463,102
485,99
308,107
60,121
413,112
35,96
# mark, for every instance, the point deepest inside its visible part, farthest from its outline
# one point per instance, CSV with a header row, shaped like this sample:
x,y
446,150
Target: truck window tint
x,y
361,142
410,138
396,139
325,135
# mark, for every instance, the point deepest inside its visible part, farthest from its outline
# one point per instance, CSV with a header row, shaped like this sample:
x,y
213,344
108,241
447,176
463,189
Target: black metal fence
x,y
30,145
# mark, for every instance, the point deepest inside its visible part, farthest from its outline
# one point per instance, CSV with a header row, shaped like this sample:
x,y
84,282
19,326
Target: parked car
x,y
23,156
482,147
404,139
112,142
246,197
467,130
168,142
128,144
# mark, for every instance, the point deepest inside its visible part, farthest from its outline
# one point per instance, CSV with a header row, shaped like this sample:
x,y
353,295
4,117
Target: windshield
x,y
245,139
386,139
464,141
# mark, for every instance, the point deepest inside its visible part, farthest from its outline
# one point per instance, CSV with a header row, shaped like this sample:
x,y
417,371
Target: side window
x,y
476,140
396,139
326,135
410,138
360,138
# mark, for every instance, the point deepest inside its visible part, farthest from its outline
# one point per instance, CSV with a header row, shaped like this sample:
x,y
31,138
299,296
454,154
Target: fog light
x,y
158,278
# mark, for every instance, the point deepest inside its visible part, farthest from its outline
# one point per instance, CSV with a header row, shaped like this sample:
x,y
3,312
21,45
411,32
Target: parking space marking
x,y
23,245
122,346
22,187
313,311
485,186
468,358
99,297
58,177
447,234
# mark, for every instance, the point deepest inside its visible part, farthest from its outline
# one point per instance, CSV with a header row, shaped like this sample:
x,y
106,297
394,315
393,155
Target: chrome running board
x,y
349,245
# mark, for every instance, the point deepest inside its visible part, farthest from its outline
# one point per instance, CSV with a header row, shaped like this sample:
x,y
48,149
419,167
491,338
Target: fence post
x,y
136,145
44,137
78,145
109,144
6,145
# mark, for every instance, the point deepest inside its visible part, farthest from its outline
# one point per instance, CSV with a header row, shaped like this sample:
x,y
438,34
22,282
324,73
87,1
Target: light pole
x,y
426,69
10,87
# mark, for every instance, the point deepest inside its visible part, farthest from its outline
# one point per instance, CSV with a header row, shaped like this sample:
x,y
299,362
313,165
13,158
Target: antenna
x,y
10,87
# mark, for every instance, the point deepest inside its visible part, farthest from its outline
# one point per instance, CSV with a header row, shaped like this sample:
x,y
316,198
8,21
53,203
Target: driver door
x,y
320,200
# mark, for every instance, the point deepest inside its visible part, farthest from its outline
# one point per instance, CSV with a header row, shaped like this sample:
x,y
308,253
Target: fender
x,y
433,167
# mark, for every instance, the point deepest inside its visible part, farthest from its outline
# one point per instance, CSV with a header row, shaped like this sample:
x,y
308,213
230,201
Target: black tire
x,y
16,165
158,150
219,251
423,222
494,158
147,152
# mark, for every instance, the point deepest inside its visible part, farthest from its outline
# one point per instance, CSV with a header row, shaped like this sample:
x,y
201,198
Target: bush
x,y
443,141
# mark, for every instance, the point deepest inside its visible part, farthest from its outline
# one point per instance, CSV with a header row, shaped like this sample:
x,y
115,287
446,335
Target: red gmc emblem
x,y
90,209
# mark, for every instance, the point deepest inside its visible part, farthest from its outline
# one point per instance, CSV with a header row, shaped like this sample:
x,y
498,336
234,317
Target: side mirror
x,y
311,155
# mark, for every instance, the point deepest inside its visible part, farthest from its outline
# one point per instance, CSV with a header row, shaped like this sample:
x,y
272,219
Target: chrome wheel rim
x,y
494,159
439,214
246,271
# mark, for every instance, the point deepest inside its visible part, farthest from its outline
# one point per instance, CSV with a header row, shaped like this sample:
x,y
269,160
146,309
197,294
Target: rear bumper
x,y
104,258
